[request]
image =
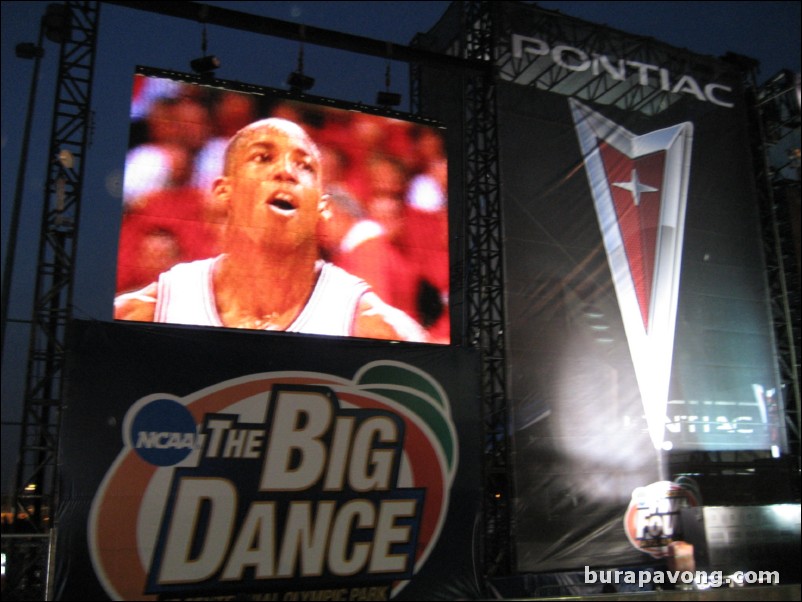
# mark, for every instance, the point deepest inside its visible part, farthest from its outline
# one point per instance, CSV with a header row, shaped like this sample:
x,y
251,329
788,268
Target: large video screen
x,y
245,207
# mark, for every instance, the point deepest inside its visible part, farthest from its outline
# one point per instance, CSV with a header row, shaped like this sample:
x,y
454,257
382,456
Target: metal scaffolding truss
x,y
35,477
485,284
469,33
34,495
774,119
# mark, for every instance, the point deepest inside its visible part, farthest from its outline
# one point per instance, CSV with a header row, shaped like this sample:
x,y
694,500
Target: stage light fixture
x,y
205,65
385,98
388,99
298,82
56,23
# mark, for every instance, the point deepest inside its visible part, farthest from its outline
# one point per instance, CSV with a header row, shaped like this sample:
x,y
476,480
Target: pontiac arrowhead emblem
x,y
640,189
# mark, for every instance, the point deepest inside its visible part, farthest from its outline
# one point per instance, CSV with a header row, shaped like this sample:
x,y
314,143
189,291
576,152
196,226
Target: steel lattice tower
x,y
35,486
485,284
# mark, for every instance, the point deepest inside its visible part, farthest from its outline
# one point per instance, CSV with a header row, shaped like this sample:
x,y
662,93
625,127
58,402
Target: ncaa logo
x,y
162,432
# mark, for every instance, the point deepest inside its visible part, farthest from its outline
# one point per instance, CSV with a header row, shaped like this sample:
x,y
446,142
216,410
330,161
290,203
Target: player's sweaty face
x,y
276,182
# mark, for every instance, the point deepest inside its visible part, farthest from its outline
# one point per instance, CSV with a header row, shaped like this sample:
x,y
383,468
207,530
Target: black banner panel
x,y
231,465
638,318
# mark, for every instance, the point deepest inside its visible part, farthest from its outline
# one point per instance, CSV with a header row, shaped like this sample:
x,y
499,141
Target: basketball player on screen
x,y
270,275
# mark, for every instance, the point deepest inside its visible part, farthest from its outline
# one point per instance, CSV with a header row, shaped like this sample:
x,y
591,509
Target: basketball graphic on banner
x,y
652,521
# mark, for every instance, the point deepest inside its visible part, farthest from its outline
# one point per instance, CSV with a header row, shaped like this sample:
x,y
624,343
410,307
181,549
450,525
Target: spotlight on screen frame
x,y
388,99
205,65
385,98
299,82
